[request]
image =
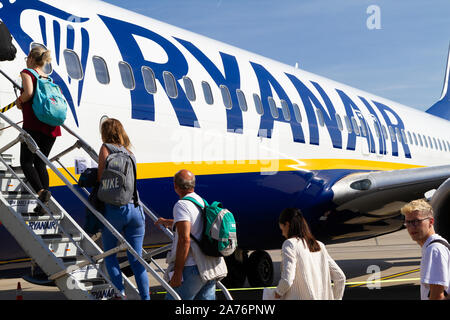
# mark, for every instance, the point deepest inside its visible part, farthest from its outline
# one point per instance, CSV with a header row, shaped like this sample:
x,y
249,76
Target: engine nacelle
x,y
441,207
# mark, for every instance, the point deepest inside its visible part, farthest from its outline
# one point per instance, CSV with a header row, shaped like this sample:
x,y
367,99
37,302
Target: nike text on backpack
x,y
219,229
118,181
49,104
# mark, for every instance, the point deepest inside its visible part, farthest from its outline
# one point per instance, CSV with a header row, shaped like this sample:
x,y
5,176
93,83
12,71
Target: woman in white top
x,y
307,269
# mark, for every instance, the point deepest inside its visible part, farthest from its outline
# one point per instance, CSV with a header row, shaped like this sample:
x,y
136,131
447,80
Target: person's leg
x,y
208,291
190,286
45,144
134,234
114,216
26,162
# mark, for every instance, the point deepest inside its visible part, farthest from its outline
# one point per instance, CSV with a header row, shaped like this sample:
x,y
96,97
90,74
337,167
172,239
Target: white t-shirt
x,y
434,266
185,210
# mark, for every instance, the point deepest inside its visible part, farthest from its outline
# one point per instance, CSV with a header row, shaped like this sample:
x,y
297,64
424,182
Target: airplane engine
x,y
441,207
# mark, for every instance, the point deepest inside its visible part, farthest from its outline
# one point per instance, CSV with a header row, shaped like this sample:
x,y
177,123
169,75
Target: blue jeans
x,y
129,221
193,287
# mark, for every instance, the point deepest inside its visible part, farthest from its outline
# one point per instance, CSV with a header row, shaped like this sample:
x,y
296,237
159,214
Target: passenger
x,y
306,267
194,274
127,219
44,135
435,262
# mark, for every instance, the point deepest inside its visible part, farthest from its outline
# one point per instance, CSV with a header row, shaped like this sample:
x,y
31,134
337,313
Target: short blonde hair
x,y
420,205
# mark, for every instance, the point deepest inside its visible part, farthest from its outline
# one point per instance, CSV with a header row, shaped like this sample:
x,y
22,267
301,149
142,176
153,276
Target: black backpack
x,y
7,49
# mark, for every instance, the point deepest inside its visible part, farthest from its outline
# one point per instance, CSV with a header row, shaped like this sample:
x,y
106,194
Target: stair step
x,y
101,292
60,238
32,216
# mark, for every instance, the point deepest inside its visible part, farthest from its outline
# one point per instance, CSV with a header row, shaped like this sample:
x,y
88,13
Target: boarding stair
x,y
55,241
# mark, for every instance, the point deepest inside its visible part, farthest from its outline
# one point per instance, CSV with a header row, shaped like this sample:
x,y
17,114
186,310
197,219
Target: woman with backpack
x,y
128,219
44,135
306,267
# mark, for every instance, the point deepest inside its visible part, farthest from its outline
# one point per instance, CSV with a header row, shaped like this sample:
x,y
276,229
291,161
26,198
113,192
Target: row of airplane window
x,y
75,71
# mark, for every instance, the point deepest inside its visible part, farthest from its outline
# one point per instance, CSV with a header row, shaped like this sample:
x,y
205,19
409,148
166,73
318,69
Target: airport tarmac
x,y
392,260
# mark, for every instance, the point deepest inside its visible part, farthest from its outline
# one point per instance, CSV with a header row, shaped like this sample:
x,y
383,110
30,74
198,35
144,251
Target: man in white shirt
x,y
187,219
435,263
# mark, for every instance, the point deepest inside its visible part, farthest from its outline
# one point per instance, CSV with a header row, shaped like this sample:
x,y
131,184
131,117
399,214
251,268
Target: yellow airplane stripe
x,y
168,169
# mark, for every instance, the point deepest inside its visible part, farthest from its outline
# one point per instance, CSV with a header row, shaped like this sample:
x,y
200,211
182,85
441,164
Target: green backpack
x,y
219,229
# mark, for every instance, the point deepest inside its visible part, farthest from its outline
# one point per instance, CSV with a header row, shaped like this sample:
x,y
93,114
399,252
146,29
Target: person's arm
x,y
289,263
102,155
337,276
165,222
183,245
436,292
27,93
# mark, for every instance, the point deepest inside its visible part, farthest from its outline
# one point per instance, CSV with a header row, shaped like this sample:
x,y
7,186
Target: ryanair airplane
x,y
259,135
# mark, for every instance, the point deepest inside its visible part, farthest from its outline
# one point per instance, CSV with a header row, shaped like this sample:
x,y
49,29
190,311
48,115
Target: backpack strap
x,y
37,75
202,209
196,202
443,242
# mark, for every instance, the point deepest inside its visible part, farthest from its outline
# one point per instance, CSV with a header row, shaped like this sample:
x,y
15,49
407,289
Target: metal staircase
x,y
56,243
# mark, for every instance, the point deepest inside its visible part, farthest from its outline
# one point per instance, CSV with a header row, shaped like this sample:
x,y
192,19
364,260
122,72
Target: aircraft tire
x,y
236,264
260,269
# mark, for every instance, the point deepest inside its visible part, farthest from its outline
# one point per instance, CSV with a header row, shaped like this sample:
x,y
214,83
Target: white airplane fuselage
x,y
286,146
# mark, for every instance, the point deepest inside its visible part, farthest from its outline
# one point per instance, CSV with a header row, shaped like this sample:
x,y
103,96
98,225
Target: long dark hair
x,y
298,227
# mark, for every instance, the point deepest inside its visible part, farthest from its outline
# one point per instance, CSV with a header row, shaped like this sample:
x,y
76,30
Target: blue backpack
x,y
49,104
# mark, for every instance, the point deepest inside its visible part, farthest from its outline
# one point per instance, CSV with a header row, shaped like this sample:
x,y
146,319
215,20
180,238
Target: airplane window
x,y
363,128
189,87
126,73
410,138
391,131
404,136
339,122
258,104
285,109
386,136
320,117
415,139
377,130
170,84
399,137
355,126
207,92
436,143
298,115
241,99
48,69
348,124
445,146
73,64
448,144
226,97
420,140
101,70
149,79
273,108
431,142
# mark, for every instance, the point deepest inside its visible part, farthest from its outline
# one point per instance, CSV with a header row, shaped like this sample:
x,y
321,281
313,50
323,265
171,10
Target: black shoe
x,y
44,197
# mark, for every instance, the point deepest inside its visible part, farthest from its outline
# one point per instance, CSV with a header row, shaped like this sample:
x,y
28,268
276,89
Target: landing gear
x,y
260,269
236,265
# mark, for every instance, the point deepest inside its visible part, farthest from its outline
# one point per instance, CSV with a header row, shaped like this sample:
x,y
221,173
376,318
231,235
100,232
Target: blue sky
x,y
403,61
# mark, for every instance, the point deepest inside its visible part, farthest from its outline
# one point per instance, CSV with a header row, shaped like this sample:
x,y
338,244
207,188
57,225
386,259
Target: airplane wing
x,y
381,194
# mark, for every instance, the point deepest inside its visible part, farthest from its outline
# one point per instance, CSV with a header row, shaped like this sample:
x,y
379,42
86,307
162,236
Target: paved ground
x,y
394,258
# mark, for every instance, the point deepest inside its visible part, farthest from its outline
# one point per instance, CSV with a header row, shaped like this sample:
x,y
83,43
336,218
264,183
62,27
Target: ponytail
x,y
40,55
